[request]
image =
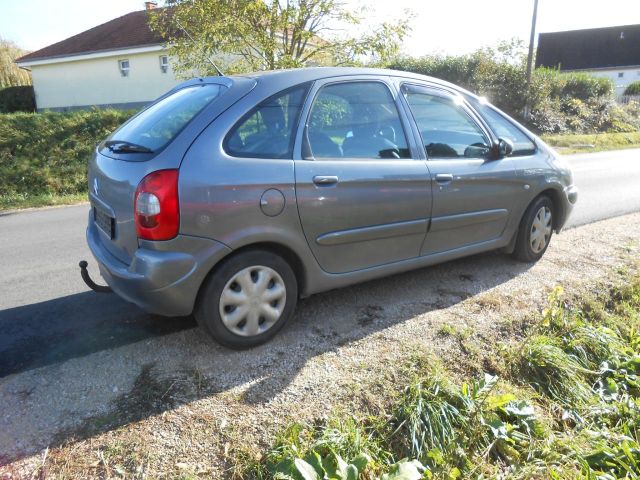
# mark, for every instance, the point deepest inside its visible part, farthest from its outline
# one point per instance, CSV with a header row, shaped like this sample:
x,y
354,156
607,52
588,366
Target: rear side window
x,y
156,126
503,128
268,130
356,120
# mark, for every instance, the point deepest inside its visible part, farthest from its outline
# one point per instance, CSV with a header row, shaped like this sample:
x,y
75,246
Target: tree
x,y
10,74
250,35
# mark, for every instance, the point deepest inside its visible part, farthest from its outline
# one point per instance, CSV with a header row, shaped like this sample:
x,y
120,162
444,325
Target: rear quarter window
x,y
268,130
156,126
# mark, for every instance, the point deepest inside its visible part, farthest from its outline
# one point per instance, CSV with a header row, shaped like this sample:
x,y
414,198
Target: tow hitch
x,y
90,283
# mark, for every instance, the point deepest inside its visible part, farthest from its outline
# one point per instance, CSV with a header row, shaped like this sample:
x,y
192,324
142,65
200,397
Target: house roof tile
x,y
129,31
588,49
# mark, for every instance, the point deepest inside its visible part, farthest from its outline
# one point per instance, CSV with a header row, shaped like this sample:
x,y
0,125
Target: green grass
x,y
17,201
593,143
567,406
44,157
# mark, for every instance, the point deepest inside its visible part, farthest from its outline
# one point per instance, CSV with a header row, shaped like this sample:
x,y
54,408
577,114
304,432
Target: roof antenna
x,y
218,71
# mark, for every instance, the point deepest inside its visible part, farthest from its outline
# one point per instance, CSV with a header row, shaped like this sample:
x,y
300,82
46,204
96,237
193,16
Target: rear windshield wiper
x,y
122,146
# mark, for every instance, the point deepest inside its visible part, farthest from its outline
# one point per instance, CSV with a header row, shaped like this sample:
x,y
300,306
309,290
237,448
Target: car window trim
x,y
312,95
467,108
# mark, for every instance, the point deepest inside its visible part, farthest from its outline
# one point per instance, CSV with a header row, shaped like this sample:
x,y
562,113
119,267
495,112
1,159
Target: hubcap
x,y
540,230
252,301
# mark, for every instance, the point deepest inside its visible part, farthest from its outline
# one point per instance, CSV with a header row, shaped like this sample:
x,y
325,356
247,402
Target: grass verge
x,y
593,143
10,202
564,403
44,156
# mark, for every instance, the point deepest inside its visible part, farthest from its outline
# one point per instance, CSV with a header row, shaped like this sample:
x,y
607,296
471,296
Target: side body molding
x,y
450,222
412,227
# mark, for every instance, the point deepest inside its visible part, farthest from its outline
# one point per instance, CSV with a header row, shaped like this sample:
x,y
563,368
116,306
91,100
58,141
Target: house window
x,y
124,67
620,74
164,63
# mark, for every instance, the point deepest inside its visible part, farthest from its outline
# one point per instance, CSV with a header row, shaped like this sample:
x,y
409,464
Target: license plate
x,y
104,221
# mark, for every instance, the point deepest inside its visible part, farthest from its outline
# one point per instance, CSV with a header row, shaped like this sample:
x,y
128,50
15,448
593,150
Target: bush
x,y
504,83
586,87
560,102
48,153
17,99
633,88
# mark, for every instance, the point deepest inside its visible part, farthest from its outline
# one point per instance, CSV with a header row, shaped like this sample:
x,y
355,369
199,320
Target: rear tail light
x,y
157,212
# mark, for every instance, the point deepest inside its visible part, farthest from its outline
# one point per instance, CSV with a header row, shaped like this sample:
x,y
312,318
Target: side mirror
x,y
501,149
505,147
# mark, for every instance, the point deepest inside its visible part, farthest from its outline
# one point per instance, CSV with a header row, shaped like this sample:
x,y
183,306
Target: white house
x,y
121,64
612,52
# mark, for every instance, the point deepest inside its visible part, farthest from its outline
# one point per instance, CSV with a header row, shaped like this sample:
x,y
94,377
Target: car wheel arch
x,y
555,195
283,251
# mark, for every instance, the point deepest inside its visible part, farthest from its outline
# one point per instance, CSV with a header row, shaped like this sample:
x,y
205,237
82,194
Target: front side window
x,y
503,128
268,131
356,120
447,130
124,67
156,126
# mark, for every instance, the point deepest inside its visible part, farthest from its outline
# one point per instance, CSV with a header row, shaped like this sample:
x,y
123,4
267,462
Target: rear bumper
x,y
163,277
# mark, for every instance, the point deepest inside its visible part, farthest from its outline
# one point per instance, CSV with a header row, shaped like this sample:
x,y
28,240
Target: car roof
x,y
282,79
297,75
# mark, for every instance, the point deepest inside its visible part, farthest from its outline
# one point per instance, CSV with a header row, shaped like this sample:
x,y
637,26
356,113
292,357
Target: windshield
x,y
156,126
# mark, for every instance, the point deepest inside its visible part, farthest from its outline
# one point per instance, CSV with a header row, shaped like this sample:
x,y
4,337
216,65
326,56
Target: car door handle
x,y
325,180
444,178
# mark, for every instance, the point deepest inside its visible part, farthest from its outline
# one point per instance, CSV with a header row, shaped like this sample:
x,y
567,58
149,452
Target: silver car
x,y
232,197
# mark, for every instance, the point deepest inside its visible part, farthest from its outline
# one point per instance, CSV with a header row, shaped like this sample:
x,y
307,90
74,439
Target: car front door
x,y
473,195
364,196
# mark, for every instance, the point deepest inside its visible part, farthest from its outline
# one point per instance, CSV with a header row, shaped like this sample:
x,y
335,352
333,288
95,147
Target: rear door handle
x,y
444,178
325,180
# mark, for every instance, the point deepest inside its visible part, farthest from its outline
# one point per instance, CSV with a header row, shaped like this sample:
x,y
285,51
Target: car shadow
x,y
74,326
186,366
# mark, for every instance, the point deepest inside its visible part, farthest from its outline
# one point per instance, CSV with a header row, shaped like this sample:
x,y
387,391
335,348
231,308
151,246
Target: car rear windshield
x,y
156,126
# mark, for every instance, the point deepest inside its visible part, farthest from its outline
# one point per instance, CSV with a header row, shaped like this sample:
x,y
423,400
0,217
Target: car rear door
x,y
363,193
473,195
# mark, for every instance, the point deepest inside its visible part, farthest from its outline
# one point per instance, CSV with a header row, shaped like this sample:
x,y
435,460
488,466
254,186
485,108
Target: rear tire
x,y
535,231
248,299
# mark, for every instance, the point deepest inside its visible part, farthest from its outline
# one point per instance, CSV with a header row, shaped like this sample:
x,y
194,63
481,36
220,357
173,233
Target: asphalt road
x,y
609,184
48,315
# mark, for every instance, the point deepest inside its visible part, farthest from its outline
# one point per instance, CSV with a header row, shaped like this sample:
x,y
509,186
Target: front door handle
x,y
443,178
325,180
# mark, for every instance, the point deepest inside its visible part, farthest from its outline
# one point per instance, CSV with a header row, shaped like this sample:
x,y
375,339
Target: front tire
x,y
535,231
246,301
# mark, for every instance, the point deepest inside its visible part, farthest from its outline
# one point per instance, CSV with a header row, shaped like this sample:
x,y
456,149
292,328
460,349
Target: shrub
x,y
586,87
560,102
503,82
48,153
17,99
633,88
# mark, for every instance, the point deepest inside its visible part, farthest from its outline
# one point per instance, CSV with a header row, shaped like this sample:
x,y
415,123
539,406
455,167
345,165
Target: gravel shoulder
x,y
179,404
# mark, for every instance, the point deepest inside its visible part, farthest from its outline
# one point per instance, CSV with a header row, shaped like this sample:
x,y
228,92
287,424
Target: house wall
x,y
82,83
629,75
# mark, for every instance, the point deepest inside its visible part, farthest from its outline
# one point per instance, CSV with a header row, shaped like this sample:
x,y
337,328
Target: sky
x,y
449,26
